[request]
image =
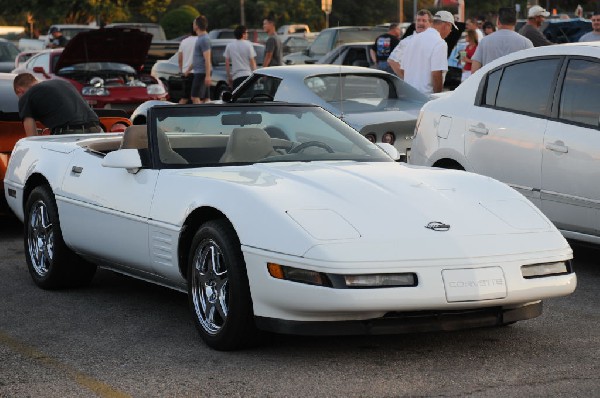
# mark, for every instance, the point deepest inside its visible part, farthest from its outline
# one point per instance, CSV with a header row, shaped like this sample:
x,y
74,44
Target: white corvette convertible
x,y
281,217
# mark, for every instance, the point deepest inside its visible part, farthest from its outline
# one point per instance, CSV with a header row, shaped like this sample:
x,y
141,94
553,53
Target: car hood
x,y
374,211
120,45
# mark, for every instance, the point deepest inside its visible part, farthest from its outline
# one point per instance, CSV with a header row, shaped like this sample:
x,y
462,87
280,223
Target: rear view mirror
x,y
241,119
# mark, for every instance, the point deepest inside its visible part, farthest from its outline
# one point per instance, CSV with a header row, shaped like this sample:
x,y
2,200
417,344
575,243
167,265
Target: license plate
x,y
474,284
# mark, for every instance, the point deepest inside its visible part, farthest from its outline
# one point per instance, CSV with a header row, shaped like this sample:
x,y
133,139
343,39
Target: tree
x,y
178,22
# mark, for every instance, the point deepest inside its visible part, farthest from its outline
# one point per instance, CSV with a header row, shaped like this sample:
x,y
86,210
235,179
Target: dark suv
x,y
562,30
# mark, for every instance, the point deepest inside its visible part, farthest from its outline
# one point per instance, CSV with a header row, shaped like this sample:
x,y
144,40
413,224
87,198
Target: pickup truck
x,y
331,38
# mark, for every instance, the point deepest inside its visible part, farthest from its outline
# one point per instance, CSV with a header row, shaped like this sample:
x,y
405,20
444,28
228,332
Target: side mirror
x,y
123,159
390,150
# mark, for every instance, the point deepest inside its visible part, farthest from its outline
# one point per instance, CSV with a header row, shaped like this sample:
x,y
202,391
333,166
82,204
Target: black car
x,y
562,30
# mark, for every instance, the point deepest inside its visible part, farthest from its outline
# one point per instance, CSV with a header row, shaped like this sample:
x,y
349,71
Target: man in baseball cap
x,y
445,16
57,40
424,61
531,30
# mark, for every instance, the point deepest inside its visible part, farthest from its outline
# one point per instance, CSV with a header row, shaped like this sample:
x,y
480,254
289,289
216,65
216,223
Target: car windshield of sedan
x,y
364,93
217,135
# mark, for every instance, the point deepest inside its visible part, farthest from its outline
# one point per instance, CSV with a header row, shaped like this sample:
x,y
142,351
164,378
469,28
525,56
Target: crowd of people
x,y
419,58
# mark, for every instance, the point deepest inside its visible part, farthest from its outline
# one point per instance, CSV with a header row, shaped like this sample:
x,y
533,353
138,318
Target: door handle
x,y
558,147
76,169
479,129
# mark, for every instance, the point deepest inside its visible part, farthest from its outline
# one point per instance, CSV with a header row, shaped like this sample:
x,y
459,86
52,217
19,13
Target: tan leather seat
x,y
247,144
135,137
166,153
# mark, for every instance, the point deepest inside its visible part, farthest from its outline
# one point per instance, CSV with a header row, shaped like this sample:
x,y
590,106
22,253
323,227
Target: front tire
x,y
51,263
218,289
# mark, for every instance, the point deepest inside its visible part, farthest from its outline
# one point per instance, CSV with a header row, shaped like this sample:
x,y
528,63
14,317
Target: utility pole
x,y
242,13
401,7
326,6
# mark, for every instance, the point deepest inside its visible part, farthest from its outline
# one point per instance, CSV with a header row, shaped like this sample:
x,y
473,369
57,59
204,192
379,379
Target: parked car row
x,y
302,255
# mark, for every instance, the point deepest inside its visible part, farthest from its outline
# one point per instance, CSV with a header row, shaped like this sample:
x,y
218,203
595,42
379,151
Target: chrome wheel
x,y
210,286
40,238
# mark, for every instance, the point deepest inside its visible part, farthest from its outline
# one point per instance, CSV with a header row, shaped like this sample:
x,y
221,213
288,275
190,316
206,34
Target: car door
x,y
570,170
107,209
505,133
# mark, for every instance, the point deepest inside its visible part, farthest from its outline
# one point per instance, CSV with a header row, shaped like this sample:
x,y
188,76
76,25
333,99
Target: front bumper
x,y
293,302
406,322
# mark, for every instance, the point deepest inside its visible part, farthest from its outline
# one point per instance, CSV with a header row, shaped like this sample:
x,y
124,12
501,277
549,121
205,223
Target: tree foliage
x,y
178,22
226,13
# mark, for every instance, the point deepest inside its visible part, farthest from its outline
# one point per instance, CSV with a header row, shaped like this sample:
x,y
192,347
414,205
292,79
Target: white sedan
x,y
532,120
272,233
378,104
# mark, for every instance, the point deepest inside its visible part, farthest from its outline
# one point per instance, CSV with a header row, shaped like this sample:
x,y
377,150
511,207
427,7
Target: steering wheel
x,y
308,144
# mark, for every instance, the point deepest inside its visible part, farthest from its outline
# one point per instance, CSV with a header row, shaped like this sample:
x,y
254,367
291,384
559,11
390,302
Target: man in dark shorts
x,y
201,63
56,104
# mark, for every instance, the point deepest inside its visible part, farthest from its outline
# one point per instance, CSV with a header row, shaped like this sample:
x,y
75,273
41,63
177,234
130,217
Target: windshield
x,y
222,135
8,52
365,93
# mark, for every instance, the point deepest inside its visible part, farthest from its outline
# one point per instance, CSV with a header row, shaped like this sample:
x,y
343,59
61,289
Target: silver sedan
x,y
377,104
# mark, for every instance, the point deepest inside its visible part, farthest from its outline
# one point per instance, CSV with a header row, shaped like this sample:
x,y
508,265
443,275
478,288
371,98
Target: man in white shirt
x,y
425,59
241,56
422,23
184,59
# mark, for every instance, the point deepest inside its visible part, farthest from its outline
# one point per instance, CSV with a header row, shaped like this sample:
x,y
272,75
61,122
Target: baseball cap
x,y
53,29
537,11
445,16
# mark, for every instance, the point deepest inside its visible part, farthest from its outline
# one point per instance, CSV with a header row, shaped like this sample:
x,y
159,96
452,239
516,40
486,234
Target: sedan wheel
x,y
51,263
218,289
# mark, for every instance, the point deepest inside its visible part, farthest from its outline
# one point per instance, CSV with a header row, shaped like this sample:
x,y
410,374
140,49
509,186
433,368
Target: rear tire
x,y
51,263
218,289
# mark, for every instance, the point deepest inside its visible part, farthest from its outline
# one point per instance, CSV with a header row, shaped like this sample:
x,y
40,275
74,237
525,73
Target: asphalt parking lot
x,y
122,337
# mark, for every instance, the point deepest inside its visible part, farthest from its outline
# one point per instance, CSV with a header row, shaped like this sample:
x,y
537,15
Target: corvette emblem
x,y
438,226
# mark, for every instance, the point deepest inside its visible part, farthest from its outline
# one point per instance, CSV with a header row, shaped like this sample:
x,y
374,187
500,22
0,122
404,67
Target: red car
x,y
103,65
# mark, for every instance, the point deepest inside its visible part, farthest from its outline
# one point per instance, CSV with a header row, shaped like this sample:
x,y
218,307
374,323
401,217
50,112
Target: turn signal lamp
x,y
298,275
